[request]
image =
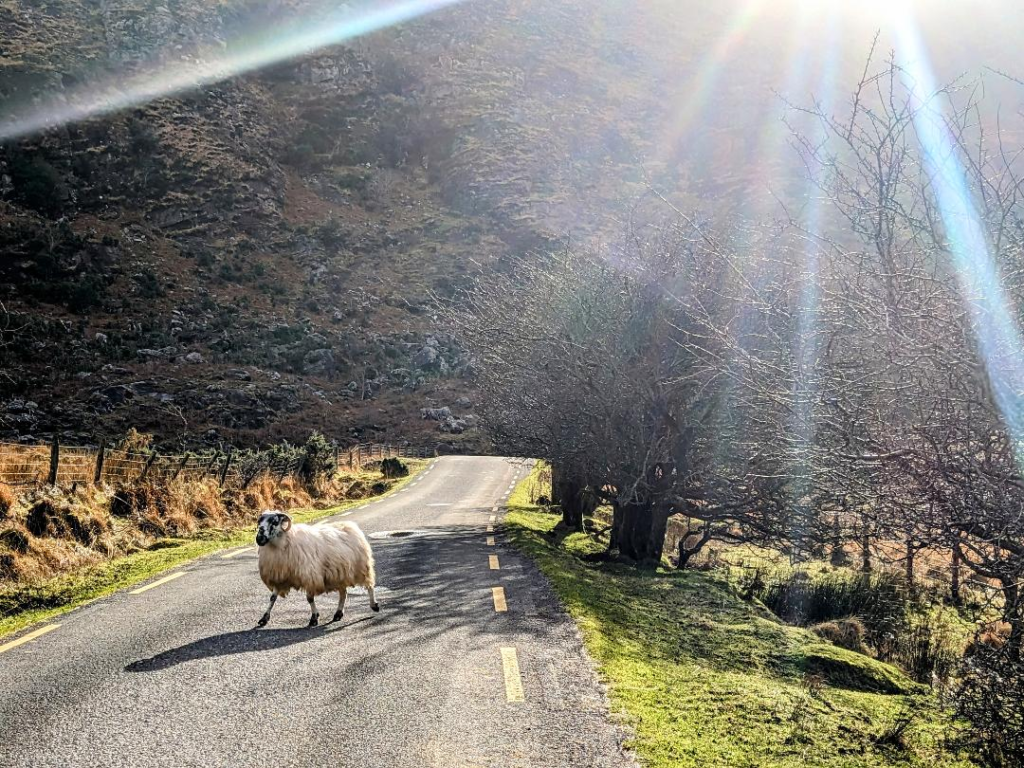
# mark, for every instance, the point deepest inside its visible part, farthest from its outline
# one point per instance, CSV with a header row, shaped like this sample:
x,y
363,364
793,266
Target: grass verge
x,y
53,597
706,679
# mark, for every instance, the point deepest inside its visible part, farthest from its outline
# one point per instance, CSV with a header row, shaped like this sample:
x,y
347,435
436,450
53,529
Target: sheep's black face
x,y
270,526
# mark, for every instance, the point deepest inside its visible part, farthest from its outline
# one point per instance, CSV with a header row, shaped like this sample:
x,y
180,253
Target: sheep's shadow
x,y
230,643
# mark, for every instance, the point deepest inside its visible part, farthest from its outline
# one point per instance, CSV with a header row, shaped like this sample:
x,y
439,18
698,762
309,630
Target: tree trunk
x,y
865,550
954,578
909,565
642,534
1013,613
572,496
685,553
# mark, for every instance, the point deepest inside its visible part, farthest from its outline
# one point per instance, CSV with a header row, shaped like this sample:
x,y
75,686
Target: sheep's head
x,y
271,525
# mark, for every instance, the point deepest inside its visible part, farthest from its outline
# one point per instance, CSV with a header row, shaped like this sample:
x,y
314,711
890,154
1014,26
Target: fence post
x,y
227,463
54,460
100,456
149,463
181,466
213,463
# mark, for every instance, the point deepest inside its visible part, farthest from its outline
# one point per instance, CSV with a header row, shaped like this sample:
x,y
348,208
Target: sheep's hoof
x,y
263,620
314,620
376,607
338,615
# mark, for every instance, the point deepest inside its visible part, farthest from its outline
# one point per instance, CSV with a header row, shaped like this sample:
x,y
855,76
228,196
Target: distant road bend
x,y
471,662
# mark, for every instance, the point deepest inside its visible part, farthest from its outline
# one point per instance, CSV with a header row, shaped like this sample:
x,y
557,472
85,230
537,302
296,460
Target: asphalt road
x,y
178,676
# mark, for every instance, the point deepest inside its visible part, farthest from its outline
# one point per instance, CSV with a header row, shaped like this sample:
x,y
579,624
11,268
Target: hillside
x,y
257,257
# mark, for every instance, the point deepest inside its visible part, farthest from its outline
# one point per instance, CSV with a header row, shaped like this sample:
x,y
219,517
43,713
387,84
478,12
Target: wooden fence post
x,y
54,460
227,463
149,463
181,466
212,464
100,456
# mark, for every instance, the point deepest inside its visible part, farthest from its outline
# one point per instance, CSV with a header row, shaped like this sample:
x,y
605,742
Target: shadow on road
x,y
228,643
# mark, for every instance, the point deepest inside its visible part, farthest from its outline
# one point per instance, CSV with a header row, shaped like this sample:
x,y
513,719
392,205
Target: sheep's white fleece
x,y
316,560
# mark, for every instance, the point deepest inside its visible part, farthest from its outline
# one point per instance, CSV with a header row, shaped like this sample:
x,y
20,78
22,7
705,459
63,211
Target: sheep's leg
x,y
266,616
373,603
314,619
342,594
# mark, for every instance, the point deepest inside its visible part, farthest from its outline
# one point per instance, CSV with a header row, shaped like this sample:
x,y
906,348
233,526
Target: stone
x,y
436,414
319,362
426,357
194,358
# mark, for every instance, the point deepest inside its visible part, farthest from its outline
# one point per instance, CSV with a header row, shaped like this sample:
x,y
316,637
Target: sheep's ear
x,y
286,523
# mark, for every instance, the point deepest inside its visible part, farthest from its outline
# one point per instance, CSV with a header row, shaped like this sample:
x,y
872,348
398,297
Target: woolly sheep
x,y
314,560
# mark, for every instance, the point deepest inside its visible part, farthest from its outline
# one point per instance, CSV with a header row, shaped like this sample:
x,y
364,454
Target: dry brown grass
x,y
55,530
847,633
7,500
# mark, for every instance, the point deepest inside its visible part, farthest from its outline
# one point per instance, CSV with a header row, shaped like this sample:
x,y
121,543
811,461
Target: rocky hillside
x,y
259,256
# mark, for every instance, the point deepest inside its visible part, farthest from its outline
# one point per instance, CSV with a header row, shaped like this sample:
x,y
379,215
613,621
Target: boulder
x,y
194,358
319,362
426,357
436,414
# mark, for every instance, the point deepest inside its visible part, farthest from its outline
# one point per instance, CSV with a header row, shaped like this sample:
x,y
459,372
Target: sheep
x,y
313,559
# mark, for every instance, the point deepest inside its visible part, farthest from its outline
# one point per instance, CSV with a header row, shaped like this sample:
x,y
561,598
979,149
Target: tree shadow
x,y
229,643
434,582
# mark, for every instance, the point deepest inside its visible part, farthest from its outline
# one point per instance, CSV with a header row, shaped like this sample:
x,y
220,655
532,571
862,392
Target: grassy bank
x,y
706,679
24,604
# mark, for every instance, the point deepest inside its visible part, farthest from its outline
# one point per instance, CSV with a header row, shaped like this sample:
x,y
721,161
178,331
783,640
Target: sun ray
x,y
994,322
251,46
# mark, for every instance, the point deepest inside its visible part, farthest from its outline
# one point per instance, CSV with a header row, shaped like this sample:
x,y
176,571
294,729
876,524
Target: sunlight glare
x,y
250,47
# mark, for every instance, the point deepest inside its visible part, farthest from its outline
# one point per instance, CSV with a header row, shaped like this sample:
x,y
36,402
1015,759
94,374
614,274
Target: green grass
x,y
53,597
706,679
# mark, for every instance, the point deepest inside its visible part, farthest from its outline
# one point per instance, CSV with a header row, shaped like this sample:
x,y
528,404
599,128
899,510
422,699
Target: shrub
x,y
42,518
15,540
7,499
991,697
48,518
318,462
877,599
847,633
392,468
37,184
870,613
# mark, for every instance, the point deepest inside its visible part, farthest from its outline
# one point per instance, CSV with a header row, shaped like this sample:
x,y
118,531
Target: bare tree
x,y
648,373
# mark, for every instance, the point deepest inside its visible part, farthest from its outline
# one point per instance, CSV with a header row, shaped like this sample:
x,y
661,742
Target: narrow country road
x,y
176,675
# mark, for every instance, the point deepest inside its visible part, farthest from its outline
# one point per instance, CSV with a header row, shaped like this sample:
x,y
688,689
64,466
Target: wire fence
x,y
56,464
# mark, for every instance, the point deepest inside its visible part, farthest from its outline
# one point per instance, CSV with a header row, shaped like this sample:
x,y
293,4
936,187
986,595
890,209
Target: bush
x,y
7,499
877,599
318,462
867,613
37,184
15,540
392,468
847,633
991,697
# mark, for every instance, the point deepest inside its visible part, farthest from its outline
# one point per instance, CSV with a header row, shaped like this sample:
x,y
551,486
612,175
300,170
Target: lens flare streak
x,y
994,325
250,48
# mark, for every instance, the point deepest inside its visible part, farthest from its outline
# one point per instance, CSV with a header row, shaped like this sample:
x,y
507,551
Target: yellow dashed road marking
x,y
513,681
494,562
498,593
156,583
492,518
490,528
490,541
229,555
26,638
